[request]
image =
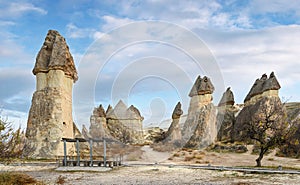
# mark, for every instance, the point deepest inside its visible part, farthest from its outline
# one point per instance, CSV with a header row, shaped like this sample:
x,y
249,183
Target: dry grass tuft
x,y
188,158
61,180
9,178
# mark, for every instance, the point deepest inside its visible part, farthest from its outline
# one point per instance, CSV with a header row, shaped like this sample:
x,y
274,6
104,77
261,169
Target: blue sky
x,y
246,39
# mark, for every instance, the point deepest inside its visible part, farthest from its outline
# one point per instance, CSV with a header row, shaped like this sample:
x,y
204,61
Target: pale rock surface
x,y
174,132
200,128
50,116
226,116
125,124
98,126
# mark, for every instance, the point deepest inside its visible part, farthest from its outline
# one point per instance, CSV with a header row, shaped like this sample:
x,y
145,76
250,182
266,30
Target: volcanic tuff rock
x,y
200,126
98,126
125,124
227,98
264,93
226,116
256,112
263,86
174,131
292,147
55,55
202,86
50,116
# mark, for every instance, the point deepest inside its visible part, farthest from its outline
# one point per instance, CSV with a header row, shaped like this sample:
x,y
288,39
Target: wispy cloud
x,y
17,9
75,32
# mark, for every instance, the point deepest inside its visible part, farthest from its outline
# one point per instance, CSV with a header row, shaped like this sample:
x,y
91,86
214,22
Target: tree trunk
x,y
260,157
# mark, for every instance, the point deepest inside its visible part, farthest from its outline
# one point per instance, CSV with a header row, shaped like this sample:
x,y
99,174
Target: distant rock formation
x,y
98,126
263,87
125,124
50,116
174,132
85,133
200,126
226,117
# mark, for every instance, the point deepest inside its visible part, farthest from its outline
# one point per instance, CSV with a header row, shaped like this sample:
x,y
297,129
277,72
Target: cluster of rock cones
x,y
50,117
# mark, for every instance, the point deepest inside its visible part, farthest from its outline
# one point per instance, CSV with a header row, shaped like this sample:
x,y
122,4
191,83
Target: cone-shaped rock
x,y
227,98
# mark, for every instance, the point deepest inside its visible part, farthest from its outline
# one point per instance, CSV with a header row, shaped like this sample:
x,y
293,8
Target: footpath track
x,y
280,170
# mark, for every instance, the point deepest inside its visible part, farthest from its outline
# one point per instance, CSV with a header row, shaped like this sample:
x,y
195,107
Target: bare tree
x,y
11,142
266,123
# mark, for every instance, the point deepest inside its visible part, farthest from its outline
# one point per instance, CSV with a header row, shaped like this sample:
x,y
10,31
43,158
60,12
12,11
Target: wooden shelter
x,y
69,161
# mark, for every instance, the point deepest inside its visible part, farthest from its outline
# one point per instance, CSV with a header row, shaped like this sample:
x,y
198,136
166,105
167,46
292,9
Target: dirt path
x,y
151,156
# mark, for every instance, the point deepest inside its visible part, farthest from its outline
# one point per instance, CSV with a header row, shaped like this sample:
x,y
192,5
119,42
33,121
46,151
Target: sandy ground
x,y
157,174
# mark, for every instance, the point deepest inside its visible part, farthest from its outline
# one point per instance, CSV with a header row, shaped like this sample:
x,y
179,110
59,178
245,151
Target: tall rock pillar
x,y
200,128
50,117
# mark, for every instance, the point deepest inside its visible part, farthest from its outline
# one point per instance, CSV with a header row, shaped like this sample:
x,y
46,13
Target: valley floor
x,y
168,174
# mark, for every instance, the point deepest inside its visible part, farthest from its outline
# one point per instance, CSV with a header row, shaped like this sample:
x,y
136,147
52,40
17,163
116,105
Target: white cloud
x,y
245,55
273,6
6,23
17,9
112,22
75,32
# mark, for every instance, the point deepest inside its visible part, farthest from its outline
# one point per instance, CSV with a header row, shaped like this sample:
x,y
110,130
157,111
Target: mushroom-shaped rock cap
x,y
177,111
272,83
227,98
55,55
263,84
202,86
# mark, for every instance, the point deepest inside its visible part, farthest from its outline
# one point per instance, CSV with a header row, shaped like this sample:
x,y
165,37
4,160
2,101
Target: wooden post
x,y
104,152
91,152
65,153
78,153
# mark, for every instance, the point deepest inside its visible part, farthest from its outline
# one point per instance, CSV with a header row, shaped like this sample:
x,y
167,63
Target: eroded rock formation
x,y
50,115
226,116
263,87
98,126
200,126
125,124
174,132
227,98
262,96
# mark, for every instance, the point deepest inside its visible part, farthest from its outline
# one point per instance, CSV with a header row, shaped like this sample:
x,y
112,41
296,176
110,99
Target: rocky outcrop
x,y
227,98
226,116
291,148
98,126
125,124
153,135
50,115
174,132
263,87
262,96
267,106
200,126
